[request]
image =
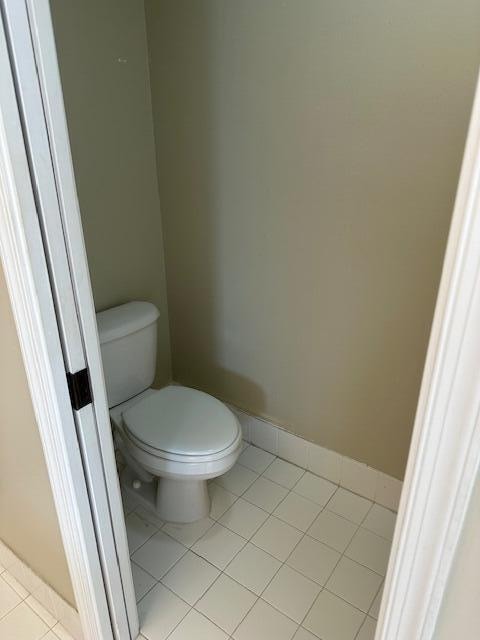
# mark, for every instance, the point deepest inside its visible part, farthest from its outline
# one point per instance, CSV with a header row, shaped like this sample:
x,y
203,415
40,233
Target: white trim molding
x,y
445,450
26,274
346,472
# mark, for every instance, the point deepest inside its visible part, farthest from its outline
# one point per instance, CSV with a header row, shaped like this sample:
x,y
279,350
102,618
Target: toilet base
x,y
179,501
182,500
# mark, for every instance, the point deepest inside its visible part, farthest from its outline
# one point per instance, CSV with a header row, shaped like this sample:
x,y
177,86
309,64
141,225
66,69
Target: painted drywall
x,y
102,55
308,154
28,520
460,614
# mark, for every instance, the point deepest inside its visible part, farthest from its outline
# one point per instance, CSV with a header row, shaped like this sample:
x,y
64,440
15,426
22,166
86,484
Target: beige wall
x,y
308,154
28,521
460,611
103,62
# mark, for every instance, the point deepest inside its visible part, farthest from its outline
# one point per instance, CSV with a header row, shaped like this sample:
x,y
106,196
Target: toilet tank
x,y
128,342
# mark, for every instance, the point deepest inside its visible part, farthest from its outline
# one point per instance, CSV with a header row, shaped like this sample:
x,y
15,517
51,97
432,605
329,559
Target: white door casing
x,y
39,96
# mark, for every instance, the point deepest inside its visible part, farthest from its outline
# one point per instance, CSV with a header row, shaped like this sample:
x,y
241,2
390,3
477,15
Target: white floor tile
x,y
253,567
188,533
331,618
244,518
159,612
277,538
297,511
265,494
316,489
284,473
264,622
149,516
22,624
333,530
219,545
369,549
291,593
191,577
129,503
314,560
303,634
237,480
159,554
349,505
196,627
381,521
221,500
41,612
367,631
354,583
375,608
139,531
226,603
52,636
256,459
9,598
142,581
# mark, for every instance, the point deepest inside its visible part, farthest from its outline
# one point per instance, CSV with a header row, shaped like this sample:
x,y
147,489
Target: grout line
x,y
283,563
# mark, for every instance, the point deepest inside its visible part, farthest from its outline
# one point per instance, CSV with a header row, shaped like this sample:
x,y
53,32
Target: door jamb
x,y
445,450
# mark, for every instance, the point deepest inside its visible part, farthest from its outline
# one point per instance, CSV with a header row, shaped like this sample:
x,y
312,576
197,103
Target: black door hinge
x,y
79,387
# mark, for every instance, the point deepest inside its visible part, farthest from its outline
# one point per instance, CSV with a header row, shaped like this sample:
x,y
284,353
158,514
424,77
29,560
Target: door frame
x,y
42,248
445,450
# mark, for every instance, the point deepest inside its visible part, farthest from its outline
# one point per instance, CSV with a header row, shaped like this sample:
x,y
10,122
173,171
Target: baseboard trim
x,y
48,598
346,472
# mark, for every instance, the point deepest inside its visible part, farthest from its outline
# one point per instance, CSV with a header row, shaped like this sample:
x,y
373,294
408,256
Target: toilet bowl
x,y
173,439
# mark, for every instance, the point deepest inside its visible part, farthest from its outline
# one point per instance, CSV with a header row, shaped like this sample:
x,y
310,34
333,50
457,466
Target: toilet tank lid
x,y
125,319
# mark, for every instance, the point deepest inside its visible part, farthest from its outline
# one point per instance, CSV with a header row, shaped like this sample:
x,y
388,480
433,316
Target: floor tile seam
x,y
10,610
159,581
253,505
332,593
229,507
144,542
382,584
322,506
289,523
362,526
286,614
195,541
178,623
357,635
246,614
164,584
307,533
321,585
38,616
381,575
22,597
19,604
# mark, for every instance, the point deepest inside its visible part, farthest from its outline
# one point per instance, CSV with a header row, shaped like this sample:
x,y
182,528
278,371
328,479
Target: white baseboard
x,y
346,472
49,599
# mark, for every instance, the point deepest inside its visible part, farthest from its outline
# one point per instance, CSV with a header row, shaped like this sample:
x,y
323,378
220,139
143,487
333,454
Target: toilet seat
x,y
182,424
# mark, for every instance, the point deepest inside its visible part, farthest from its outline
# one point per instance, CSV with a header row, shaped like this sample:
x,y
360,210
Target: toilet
x,y
173,439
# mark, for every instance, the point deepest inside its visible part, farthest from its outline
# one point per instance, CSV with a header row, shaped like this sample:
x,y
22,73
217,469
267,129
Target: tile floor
x,y
284,554
22,617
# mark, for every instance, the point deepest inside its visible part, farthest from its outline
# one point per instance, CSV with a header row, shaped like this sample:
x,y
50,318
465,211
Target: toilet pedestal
x,y
182,500
179,501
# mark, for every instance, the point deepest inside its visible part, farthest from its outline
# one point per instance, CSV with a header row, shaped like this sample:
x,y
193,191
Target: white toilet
x,y
173,439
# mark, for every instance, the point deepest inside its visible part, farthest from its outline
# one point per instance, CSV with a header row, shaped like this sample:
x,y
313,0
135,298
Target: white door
x,y
33,74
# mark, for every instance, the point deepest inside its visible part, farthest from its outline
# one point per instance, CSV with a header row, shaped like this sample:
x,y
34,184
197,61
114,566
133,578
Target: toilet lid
x,y
182,421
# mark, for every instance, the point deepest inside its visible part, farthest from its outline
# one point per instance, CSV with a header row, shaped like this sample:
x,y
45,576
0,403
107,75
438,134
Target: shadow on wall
x,y
306,187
